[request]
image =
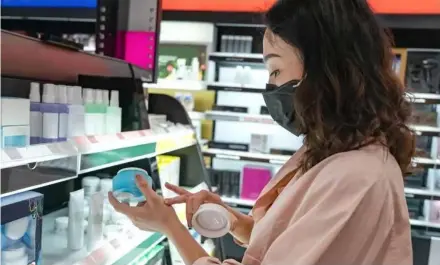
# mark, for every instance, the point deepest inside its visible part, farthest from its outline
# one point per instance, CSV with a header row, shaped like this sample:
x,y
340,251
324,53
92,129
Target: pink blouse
x,y
348,209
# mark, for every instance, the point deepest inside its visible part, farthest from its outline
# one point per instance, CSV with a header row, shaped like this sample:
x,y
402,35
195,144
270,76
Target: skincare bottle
x,y
114,114
76,220
195,68
101,109
63,110
76,112
36,118
49,110
90,117
95,223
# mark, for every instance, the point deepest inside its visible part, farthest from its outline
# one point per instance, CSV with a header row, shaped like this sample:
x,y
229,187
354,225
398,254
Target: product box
x,y
259,143
253,180
15,136
15,111
21,228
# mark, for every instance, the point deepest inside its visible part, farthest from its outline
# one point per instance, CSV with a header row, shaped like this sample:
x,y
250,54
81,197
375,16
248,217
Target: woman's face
x,y
282,60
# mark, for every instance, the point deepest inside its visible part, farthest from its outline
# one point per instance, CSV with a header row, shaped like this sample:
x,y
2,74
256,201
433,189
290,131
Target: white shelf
x,y
180,137
425,130
234,87
425,161
423,192
241,117
258,56
424,223
191,85
12,157
238,201
55,251
239,155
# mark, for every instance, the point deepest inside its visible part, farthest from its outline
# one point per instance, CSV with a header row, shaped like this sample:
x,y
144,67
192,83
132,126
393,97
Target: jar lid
x,y
106,185
13,252
90,181
211,220
61,223
16,229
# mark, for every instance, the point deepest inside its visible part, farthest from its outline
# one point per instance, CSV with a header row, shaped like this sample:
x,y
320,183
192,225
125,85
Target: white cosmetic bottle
x,y
63,110
114,114
36,118
76,112
50,113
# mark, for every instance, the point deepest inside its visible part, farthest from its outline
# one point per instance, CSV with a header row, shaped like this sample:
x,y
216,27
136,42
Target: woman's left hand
x,y
151,215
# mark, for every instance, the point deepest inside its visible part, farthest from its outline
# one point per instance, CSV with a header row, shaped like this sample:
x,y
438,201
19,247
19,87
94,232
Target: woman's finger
x,y
176,200
146,190
176,189
120,207
194,204
189,211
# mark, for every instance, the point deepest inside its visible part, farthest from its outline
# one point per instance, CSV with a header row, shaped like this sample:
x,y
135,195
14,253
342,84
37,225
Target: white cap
x,y
49,95
88,96
90,181
14,252
34,94
98,96
61,223
105,97
74,95
106,185
211,220
114,98
62,94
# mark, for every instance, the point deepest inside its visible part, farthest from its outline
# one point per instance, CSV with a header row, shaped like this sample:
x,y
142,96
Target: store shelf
x,y
247,156
423,130
423,98
424,223
425,162
55,251
236,116
16,47
238,201
218,86
12,157
159,143
177,85
236,57
425,193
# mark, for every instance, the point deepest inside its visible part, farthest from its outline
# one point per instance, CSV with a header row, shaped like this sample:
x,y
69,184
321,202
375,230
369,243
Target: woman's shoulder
x,y
370,164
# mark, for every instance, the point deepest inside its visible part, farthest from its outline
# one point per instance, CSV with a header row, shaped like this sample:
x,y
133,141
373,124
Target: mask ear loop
x,y
300,81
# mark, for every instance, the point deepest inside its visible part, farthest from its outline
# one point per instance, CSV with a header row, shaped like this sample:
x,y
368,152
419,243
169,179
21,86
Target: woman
x,y
339,199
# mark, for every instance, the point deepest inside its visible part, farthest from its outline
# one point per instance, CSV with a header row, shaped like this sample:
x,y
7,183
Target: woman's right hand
x,y
193,200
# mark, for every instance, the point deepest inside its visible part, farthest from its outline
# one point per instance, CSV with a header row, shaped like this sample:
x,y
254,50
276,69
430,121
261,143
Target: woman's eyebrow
x,y
270,55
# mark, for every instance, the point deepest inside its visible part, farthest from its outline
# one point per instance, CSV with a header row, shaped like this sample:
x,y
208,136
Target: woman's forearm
x,y
190,250
242,227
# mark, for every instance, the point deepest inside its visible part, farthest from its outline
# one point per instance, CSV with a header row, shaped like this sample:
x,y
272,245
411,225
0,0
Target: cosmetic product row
x,y
236,44
246,184
69,111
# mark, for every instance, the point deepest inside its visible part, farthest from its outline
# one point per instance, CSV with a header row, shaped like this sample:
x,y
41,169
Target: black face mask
x,y
279,102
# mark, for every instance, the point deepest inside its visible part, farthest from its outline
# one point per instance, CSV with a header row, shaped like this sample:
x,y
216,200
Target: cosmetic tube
x,y
76,218
114,114
95,226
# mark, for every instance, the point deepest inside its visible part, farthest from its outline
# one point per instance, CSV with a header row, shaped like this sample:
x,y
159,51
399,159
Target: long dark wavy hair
x,y
351,96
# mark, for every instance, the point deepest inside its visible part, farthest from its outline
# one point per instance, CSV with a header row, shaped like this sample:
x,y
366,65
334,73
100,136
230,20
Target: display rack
x,y
55,169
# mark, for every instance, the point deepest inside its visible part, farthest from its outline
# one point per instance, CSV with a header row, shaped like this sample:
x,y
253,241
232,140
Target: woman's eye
x,y
275,73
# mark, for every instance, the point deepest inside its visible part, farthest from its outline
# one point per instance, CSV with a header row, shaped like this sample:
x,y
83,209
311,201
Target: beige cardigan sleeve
x,y
337,204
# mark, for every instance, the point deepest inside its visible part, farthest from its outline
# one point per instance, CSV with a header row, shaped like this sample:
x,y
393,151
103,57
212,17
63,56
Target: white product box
x,y
15,111
15,136
259,143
